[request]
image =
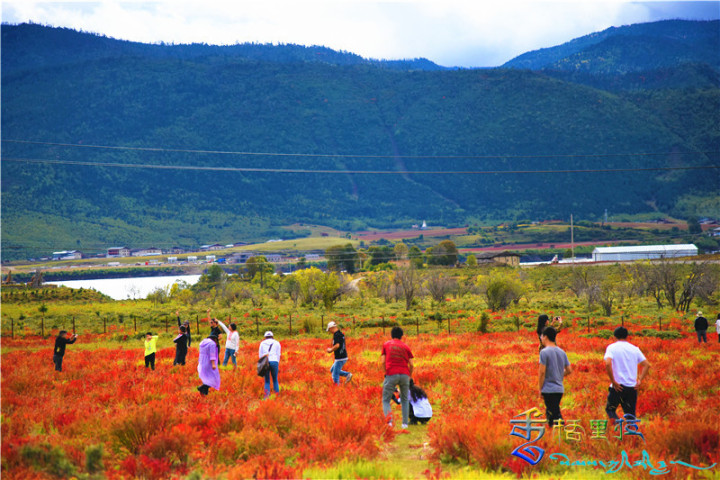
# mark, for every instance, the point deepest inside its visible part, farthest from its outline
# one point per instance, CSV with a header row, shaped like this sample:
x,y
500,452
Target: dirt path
x,y
409,452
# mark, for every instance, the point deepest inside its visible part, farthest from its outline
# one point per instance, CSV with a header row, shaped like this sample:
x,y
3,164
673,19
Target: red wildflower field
x,y
107,415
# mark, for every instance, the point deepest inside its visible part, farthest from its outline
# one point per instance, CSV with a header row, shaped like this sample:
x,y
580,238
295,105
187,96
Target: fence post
x,y
659,323
135,323
197,323
257,325
622,320
448,325
588,325
73,324
104,325
290,317
12,328
166,324
417,325
383,324
517,323
322,322
42,327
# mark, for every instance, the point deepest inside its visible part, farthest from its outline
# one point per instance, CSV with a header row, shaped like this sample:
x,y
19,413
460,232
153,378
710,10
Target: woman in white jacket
x,y
271,348
232,344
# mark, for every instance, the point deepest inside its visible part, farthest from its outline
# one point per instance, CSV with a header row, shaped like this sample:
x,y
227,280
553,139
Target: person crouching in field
x,y
59,351
181,347
420,408
150,349
554,366
208,361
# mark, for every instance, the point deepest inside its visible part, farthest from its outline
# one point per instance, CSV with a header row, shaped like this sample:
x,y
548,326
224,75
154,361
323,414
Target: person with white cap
x,y
701,327
341,356
271,348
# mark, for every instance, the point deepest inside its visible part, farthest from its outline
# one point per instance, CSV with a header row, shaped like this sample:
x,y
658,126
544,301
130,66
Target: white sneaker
x,y
404,426
348,378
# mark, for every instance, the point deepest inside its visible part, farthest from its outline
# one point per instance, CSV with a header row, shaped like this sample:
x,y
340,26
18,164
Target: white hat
x,y
699,314
330,325
268,334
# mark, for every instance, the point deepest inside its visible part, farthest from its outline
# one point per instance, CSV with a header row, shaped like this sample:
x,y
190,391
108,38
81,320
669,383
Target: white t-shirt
x,y
233,337
717,326
421,407
274,355
625,359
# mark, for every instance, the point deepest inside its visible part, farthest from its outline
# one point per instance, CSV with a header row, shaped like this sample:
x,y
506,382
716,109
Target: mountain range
x,y
107,142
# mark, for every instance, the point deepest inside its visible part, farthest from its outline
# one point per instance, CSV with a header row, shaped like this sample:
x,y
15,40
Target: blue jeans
x,y
336,370
389,390
229,353
274,366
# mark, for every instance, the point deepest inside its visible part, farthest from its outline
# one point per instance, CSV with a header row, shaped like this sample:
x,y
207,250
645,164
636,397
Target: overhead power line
x,y
346,172
352,155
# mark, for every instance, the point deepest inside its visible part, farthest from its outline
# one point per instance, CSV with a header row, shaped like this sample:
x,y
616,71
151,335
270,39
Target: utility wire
x,y
346,172
342,155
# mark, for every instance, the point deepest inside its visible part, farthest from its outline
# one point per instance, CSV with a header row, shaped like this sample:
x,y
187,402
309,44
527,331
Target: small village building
x,y
146,252
502,257
209,248
274,258
118,252
642,252
239,257
67,255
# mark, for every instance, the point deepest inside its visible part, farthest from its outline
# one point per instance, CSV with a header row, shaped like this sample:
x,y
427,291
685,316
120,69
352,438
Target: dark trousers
x,y
552,407
626,398
415,420
203,389
57,360
179,358
702,336
150,361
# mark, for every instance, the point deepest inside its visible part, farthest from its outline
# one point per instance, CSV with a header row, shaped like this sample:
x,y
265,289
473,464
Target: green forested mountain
x,y
181,114
631,48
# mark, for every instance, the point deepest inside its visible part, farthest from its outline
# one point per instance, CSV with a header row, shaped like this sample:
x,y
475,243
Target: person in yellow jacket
x,y
150,349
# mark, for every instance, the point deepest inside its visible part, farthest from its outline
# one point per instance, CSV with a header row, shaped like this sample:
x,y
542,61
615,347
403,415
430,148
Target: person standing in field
x,y
541,324
717,327
701,327
622,362
271,347
341,356
232,344
181,346
396,361
150,349
208,362
59,351
554,366
186,324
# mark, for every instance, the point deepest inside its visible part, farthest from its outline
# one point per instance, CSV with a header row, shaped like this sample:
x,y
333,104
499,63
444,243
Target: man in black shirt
x,y
340,354
59,352
701,327
185,324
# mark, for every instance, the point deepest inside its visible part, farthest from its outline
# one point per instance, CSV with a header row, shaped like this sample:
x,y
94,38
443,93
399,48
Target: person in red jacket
x,y
396,360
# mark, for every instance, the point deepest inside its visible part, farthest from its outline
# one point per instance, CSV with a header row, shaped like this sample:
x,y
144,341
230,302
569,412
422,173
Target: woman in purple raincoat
x,y
208,364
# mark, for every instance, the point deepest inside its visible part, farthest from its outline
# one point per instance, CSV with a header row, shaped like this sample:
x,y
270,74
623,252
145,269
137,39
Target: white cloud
x,y
449,32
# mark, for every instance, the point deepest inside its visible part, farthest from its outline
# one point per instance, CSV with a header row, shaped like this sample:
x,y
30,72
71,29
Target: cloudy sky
x,y
467,33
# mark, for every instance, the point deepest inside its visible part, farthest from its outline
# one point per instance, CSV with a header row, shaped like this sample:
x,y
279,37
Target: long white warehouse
x,y
642,252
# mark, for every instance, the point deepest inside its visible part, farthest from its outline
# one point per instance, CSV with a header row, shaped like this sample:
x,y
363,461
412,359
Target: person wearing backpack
x,y
271,348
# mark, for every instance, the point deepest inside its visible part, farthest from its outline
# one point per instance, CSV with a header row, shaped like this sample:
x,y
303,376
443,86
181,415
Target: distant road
x,y
372,236
537,246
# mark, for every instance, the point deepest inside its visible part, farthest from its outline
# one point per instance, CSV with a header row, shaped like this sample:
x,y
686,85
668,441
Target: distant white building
x,y
67,255
642,252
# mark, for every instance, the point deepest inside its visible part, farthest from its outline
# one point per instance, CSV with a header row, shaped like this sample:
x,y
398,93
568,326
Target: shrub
x,y
49,459
133,431
94,459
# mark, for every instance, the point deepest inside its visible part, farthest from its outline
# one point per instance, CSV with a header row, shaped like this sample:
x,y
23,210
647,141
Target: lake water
x,y
124,288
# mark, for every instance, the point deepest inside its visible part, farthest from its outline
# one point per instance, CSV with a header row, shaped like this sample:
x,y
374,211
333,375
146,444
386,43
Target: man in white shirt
x,y
622,362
